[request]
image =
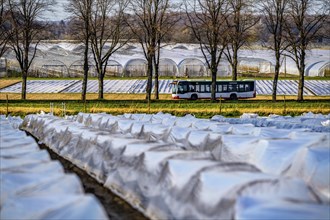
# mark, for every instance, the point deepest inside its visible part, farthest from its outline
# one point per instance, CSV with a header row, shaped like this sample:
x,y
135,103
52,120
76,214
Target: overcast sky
x,y
59,12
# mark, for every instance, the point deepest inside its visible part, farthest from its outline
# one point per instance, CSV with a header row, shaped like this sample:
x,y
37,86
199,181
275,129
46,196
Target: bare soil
x,y
8,82
116,208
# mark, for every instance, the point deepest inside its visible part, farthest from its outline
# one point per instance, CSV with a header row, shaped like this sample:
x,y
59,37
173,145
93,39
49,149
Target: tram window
x,y
191,88
207,88
182,88
225,88
232,88
241,88
202,88
197,87
219,88
247,87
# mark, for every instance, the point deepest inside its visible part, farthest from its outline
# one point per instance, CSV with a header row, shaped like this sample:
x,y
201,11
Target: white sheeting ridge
x,y
35,187
183,167
308,121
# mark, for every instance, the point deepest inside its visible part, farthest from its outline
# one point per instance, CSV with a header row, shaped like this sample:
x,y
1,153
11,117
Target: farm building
x,y
135,67
55,69
192,67
167,67
224,69
76,69
114,68
176,60
321,68
256,65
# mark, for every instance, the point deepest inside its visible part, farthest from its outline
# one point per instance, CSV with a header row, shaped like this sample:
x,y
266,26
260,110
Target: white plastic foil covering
x,y
187,168
263,87
32,186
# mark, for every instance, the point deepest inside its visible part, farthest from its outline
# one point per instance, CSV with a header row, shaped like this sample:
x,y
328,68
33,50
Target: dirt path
x,y
8,82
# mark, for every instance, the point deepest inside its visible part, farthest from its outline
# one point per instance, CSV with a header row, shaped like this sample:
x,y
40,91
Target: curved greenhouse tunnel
x,y
115,207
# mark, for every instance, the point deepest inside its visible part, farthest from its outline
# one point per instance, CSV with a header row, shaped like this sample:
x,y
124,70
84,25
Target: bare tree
x,y
4,26
207,21
240,22
26,32
81,12
274,13
107,27
305,20
145,25
166,23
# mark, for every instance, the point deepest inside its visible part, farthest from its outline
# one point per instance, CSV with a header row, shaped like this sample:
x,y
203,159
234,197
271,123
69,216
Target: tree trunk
x,y
276,74
156,82
149,82
301,87
156,62
100,74
84,85
101,80
234,65
301,77
214,71
24,78
25,67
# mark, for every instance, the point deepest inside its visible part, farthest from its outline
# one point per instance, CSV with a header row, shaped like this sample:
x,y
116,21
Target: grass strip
x,y
130,96
199,108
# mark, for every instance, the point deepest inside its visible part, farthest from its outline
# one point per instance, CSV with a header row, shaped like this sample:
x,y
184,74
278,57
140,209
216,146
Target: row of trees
x,y
22,30
221,27
292,25
102,21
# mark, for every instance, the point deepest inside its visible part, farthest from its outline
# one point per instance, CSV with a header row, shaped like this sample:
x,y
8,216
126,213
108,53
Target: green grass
x,y
199,108
136,103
